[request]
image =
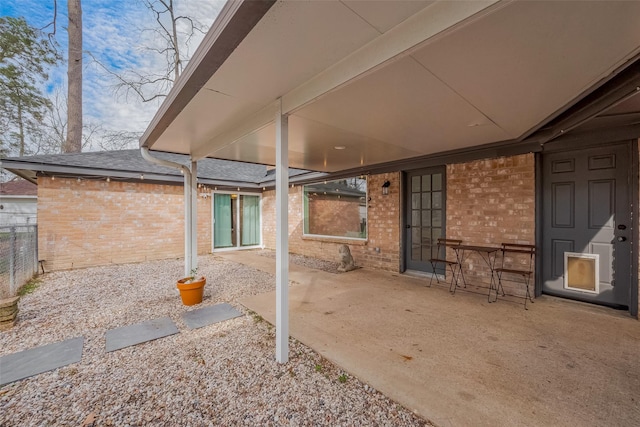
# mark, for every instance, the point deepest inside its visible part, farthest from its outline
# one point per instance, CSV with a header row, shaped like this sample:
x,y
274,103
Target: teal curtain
x,y
305,214
222,217
250,229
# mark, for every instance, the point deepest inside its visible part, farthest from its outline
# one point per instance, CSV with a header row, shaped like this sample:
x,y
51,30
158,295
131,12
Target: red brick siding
x,y
91,223
489,202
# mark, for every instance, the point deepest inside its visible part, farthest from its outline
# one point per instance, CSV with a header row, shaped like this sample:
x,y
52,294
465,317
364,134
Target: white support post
x,y
188,261
194,215
282,236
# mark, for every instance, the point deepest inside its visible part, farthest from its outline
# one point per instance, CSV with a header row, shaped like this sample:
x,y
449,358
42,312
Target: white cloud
x,y
114,32
128,42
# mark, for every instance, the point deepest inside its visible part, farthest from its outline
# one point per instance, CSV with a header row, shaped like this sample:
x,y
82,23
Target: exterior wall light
x,y
385,188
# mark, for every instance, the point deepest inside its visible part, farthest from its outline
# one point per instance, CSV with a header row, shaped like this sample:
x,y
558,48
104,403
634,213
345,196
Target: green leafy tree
x,y
25,58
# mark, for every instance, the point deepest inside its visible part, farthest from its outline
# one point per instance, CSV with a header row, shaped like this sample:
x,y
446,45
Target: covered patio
x,y
366,88
455,359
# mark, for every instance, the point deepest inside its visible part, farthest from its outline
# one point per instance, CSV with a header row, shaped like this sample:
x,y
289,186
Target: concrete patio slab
x,y
209,315
27,363
150,330
457,360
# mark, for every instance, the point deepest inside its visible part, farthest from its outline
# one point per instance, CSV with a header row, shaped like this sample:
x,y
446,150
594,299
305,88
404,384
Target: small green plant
x,y
343,378
318,368
193,276
29,287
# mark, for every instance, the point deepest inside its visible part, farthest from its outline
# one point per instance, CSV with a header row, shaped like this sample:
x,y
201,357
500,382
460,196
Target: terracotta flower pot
x,y
191,293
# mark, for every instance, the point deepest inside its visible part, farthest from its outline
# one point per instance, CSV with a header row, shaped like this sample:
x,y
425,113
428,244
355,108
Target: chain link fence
x,y
18,257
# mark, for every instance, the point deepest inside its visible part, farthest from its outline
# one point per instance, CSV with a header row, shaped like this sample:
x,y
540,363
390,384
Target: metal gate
x,y
18,257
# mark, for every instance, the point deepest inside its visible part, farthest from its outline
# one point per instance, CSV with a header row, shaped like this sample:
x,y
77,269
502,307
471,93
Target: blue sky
x,y
114,32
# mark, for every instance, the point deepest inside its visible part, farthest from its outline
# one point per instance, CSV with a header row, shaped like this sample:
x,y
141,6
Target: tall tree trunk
x,y
73,144
21,127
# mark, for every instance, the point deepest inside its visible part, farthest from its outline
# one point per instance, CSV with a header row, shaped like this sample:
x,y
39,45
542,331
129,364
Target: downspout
x,y
189,201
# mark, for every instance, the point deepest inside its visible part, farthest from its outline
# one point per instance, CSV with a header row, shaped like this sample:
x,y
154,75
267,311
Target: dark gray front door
x,y
587,210
426,212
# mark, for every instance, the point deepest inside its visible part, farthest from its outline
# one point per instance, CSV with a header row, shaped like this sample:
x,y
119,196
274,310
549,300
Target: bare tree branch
x,y
52,35
133,81
153,86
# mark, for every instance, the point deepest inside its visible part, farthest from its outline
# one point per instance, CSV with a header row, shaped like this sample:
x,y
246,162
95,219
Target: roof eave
x,y
234,22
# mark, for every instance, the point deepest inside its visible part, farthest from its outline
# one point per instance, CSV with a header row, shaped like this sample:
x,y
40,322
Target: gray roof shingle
x,y
106,162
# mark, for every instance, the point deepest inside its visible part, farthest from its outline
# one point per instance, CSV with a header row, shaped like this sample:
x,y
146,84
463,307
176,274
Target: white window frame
x,y
596,261
237,231
331,237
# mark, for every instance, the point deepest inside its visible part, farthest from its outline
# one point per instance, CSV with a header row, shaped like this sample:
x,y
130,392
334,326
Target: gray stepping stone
x,y
150,330
27,363
208,315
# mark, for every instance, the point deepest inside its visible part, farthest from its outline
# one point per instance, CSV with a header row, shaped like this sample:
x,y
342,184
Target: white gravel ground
x,y
223,374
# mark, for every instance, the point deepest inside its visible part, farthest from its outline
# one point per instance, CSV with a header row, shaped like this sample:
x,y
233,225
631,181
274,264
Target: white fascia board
x,y
73,171
229,184
302,178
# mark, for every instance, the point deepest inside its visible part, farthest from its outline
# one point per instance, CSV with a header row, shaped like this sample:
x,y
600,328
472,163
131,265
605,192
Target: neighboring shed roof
x,y
129,164
18,187
336,188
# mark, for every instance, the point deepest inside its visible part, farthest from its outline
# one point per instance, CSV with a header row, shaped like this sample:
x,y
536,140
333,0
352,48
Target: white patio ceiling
x,y
393,80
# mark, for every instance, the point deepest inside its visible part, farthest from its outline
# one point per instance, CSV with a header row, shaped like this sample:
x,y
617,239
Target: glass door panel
x,y
425,216
250,220
223,216
236,220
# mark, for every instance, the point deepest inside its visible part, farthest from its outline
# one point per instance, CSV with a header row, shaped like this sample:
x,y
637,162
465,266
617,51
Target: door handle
x,y
622,239
408,225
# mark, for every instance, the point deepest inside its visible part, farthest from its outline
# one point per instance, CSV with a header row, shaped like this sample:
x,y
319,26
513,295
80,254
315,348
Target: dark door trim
x,y
634,197
406,210
538,222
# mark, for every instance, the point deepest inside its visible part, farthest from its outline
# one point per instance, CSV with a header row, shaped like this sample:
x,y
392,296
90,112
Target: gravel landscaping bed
x,y
222,374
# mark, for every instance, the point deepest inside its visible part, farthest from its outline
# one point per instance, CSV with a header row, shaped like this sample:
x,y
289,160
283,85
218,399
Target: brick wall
x,y
326,222
91,223
382,248
489,202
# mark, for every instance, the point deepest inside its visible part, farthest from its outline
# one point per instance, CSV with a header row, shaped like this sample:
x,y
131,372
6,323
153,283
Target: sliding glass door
x,y
223,214
249,220
236,220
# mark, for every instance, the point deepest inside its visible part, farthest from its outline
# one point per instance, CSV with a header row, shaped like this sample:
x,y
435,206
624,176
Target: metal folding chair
x,y
517,260
441,258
